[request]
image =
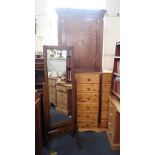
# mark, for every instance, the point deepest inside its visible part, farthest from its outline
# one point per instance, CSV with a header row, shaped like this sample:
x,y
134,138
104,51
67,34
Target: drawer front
x,y
106,77
87,97
105,96
105,106
52,82
81,106
88,88
106,88
88,124
61,88
61,97
87,77
104,123
104,115
87,115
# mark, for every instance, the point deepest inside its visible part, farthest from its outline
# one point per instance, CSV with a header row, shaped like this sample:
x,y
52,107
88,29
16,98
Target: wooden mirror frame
x,y
70,125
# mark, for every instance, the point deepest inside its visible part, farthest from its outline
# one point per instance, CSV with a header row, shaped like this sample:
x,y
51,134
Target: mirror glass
x,y
58,79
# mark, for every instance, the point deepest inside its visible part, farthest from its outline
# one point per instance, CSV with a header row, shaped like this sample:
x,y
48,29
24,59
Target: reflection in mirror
x,y
57,63
58,78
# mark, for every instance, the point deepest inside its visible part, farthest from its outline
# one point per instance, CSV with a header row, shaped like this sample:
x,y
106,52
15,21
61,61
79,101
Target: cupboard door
x,y
80,33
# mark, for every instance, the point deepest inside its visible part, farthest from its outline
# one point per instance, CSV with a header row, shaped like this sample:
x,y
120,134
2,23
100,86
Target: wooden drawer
x,y
106,88
82,106
61,88
104,115
52,82
61,97
87,77
106,77
87,115
104,123
88,88
88,124
105,106
105,96
87,97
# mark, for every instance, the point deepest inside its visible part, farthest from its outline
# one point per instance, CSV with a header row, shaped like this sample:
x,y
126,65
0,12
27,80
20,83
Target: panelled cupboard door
x,y
83,30
81,36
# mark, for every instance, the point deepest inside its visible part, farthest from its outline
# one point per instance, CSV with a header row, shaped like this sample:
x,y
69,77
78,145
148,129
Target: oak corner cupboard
x,y
83,29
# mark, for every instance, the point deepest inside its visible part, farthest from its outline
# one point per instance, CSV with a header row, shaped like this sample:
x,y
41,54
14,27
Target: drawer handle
x,y
88,108
87,116
88,98
110,114
88,79
88,88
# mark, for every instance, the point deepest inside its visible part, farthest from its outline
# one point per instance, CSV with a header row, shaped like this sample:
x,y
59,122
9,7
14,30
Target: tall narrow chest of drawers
x,y
87,99
106,86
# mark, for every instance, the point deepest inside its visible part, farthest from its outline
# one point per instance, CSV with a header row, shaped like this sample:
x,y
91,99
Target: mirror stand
x,y
60,92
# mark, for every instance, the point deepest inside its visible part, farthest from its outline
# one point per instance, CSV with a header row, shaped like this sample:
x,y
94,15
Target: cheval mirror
x,y
60,92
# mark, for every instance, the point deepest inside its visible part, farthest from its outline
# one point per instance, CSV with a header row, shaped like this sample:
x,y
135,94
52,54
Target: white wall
x,y
47,28
111,32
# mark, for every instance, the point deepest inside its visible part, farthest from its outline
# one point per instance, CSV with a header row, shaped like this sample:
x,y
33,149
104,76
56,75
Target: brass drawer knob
x,y
88,79
88,108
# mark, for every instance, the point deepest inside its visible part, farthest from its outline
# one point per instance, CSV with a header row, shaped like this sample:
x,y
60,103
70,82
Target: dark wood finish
x,y
39,86
38,139
82,29
70,125
39,72
115,87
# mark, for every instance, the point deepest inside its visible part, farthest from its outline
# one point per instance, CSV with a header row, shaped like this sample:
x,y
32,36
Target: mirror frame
x,y
72,122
